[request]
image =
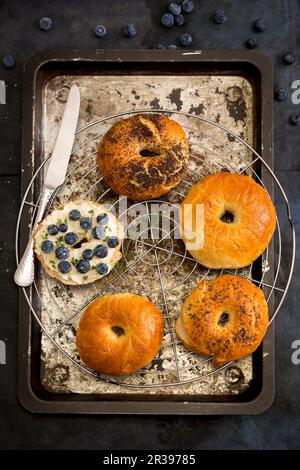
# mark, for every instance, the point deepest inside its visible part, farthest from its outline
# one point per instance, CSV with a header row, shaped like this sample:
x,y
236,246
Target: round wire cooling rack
x,y
155,263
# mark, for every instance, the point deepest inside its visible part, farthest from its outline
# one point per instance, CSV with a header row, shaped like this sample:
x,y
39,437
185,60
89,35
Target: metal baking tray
x,y
235,90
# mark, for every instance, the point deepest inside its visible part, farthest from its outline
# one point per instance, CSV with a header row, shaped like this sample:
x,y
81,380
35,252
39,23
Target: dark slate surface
x,y
73,28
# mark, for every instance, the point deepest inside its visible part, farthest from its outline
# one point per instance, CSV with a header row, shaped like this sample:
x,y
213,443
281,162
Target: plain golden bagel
x,y
225,318
144,156
119,334
239,220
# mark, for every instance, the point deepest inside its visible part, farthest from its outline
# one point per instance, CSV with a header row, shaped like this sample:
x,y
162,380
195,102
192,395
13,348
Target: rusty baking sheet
x,y
227,87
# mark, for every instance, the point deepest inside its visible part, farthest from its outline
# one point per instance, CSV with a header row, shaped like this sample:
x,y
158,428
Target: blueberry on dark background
x,y
289,58
130,30
251,43
280,94
100,31
179,20
259,25
167,20
220,16
295,119
171,46
186,39
45,23
8,61
174,8
187,6
160,46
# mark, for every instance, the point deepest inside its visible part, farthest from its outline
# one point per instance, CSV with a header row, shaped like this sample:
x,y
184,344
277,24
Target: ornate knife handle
x,y
24,275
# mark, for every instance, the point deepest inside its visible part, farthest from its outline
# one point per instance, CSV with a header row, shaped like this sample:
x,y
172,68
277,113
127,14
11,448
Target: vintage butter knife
x,y
55,176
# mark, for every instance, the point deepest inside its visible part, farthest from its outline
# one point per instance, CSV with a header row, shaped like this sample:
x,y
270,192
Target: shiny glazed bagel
x,y
119,334
144,156
225,318
239,220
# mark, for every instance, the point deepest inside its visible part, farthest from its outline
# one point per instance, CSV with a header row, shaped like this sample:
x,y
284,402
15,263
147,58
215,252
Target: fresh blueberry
x,y
171,46
179,20
100,31
62,252
52,229
259,25
295,119
187,6
280,94
100,251
83,266
186,39
63,227
47,246
112,242
74,214
8,61
45,23
160,46
71,238
251,43
88,254
102,219
130,30
98,232
86,223
220,17
102,268
289,58
174,8
167,20
64,267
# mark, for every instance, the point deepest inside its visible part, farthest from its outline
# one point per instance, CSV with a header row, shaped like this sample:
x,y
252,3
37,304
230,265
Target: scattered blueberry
x,y
167,20
280,94
130,30
8,61
63,227
74,214
83,266
86,223
160,46
100,31
289,58
171,46
100,251
260,25
102,268
174,8
179,20
71,238
112,242
52,229
295,119
251,43
47,246
45,23
88,254
64,267
98,232
102,219
220,17
62,252
187,6
186,39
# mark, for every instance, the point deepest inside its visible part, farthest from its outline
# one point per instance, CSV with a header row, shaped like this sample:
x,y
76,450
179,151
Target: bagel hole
x,y
81,242
149,153
227,217
224,319
118,330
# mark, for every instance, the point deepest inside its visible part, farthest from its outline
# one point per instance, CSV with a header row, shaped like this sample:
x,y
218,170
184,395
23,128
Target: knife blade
x,y
55,176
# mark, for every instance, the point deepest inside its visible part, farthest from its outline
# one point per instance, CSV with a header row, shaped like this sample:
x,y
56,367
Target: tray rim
x,y
27,396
